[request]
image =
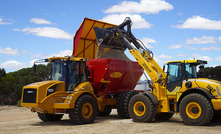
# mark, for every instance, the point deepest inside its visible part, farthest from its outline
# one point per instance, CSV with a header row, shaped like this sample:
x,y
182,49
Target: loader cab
x,y
181,70
71,71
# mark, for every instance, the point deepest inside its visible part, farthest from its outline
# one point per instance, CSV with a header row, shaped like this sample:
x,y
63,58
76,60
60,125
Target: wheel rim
x,y
139,108
87,110
193,110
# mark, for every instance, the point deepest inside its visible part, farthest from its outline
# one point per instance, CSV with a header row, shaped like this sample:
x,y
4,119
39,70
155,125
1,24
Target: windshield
x,y
174,72
58,70
71,72
191,71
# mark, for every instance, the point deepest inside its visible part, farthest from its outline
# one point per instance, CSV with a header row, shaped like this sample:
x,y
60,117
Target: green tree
x,y
213,73
11,83
2,72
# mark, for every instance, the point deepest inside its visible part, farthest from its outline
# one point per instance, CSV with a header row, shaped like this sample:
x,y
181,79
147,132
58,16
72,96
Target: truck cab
x,y
70,70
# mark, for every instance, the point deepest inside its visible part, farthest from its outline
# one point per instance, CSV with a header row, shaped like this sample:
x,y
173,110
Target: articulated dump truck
x,y
92,82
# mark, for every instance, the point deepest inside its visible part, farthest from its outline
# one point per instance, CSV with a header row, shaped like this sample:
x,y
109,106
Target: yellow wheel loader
x,y
176,90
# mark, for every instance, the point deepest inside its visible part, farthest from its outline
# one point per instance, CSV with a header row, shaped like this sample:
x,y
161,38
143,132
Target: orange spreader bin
x,y
85,44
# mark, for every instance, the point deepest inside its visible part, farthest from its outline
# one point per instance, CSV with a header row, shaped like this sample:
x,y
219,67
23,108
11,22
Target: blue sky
x,y
173,30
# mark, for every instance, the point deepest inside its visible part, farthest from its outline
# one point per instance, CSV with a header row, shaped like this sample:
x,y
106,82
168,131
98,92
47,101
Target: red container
x,y
112,75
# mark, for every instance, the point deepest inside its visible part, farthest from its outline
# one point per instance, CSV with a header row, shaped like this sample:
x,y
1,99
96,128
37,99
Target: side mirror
x,y
34,67
201,71
164,66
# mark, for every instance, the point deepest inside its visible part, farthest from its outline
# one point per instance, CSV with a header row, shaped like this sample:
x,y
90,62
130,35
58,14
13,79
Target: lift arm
x,y
112,36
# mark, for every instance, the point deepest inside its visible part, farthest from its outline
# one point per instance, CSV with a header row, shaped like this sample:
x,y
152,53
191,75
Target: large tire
x,y
163,116
123,102
142,109
85,110
49,117
106,112
196,109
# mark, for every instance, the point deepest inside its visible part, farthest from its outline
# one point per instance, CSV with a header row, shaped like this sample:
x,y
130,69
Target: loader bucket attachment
x,y
106,37
109,45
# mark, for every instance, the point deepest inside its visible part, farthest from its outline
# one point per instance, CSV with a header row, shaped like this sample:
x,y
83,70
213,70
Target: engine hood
x,y
41,84
213,86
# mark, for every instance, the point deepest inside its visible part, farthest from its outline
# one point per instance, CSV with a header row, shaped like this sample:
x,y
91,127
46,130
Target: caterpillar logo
x,y
211,89
116,75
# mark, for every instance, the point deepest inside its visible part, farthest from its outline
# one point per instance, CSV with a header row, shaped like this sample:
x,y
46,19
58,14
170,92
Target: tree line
x,y
11,83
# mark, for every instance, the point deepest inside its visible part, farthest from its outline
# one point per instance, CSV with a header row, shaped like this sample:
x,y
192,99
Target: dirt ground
x,y
19,120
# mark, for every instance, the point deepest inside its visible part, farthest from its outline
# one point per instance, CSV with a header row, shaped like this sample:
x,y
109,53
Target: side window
x,y
174,72
83,71
190,71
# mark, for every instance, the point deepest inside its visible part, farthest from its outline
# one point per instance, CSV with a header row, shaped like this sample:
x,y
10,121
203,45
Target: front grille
x,y
29,95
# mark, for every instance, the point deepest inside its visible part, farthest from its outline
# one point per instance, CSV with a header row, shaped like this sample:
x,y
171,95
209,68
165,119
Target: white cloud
x,y
197,22
177,46
218,59
201,57
162,56
210,48
59,54
202,40
8,51
31,63
190,47
12,65
40,21
148,41
2,22
64,53
219,38
182,55
138,21
162,59
50,32
144,6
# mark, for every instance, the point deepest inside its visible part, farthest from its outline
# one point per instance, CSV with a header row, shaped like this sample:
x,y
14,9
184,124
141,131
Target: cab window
x,y
190,71
174,72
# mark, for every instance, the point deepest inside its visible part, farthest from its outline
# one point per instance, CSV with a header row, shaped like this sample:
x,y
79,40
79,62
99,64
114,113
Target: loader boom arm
x,y
143,55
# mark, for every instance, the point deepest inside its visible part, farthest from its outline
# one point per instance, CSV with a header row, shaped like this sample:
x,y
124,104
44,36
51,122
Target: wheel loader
x,y
176,90
82,85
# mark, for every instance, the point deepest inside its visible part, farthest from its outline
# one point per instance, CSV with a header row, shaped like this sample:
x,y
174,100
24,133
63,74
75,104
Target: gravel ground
x,y
19,120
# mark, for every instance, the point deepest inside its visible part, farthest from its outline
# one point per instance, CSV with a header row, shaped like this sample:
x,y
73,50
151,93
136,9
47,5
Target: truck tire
x,y
196,109
106,112
49,117
85,110
142,109
123,102
163,116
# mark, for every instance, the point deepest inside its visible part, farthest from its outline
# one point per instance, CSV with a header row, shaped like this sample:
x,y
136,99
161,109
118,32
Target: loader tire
x,y
123,102
196,109
106,112
85,110
49,117
141,108
163,116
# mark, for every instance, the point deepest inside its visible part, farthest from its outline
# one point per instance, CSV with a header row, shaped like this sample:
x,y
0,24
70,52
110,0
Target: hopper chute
x,y
85,44
89,45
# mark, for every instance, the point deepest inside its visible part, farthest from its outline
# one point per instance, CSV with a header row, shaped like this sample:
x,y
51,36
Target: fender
x,y
82,89
152,97
196,90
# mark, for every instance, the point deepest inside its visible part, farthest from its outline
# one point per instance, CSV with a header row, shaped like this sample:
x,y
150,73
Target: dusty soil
x,y
17,120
